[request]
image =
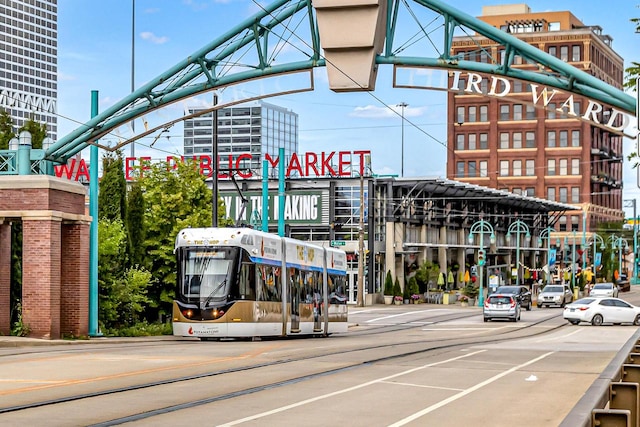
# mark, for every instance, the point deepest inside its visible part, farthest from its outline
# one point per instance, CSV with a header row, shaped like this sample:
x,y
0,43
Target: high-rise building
x,y
510,144
29,61
246,133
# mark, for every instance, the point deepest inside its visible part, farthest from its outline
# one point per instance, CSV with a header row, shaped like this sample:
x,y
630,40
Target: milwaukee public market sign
x,y
300,207
335,164
501,87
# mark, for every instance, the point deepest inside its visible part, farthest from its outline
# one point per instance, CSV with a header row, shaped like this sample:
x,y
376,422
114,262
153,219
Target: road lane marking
x,y
422,386
561,336
344,390
470,390
404,314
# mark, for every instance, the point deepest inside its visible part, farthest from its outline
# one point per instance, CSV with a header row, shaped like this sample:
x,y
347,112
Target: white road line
x,y
398,315
422,386
562,336
345,390
456,329
466,392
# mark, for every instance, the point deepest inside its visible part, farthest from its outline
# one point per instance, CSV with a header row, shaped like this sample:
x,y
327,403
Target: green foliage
x,y
405,292
174,199
113,188
426,273
397,291
414,289
111,264
19,328
16,269
388,284
135,225
142,329
6,129
38,132
470,290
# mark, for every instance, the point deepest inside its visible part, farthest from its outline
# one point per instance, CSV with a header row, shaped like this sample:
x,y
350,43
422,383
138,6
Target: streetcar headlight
x,y
188,313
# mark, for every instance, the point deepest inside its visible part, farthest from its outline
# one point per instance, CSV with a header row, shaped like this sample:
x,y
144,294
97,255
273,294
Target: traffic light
x,y
481,257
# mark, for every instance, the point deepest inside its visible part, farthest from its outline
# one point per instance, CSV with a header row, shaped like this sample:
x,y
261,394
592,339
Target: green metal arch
x,y
260,37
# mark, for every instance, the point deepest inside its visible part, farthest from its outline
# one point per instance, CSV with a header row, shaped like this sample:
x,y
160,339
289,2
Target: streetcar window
x,y
206,273
247,283
267,283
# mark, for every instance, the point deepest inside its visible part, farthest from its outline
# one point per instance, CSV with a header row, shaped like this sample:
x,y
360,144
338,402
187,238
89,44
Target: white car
x,y
601,310
604,290
554,295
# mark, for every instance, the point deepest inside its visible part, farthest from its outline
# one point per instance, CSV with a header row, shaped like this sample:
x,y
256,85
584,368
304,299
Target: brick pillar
x,y
5,279
74,279
41,276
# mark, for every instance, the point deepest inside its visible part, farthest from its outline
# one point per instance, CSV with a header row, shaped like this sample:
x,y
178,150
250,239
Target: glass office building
x,y
28,61
254,129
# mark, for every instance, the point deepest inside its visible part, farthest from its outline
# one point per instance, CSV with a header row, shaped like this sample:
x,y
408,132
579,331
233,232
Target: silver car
x,y
555,295
501,306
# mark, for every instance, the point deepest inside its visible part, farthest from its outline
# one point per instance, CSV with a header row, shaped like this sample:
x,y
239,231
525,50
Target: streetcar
x,y
240,282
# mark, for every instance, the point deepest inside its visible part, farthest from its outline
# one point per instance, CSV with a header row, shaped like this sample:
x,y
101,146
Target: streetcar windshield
x,y
206,274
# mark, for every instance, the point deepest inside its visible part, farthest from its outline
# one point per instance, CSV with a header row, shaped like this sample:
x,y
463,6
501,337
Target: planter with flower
x,y
415,299
397,292
470,292
464,300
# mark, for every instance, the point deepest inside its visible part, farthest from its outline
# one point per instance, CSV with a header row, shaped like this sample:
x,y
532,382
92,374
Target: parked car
x,y
602,310
501,306
555,295
604,290
522,294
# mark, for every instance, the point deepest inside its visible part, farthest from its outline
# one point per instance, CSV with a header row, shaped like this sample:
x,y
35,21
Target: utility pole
x,y
361,246
214,162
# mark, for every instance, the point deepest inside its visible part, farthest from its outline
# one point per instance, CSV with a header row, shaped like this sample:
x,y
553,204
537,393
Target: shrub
x,y
388,284
397,290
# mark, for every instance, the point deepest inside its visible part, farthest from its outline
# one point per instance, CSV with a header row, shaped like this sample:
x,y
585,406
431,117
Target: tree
x,y
135,224
6,129
397,291
113,188
175,198
112,257
388,284
633,72
425,274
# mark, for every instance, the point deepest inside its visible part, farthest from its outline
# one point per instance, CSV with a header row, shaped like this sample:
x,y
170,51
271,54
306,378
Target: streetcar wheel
x,y
597,320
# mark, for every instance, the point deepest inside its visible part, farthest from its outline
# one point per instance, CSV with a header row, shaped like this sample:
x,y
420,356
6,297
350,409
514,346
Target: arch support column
x,y
5,278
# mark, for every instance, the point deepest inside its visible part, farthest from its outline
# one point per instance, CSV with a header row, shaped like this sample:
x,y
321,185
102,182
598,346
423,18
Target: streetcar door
x,y
352,287
295,298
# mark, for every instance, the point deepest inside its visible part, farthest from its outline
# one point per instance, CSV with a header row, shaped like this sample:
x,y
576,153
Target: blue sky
x,y
94,49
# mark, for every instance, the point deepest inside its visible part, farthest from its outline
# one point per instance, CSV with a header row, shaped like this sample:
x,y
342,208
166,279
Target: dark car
x,y
522,294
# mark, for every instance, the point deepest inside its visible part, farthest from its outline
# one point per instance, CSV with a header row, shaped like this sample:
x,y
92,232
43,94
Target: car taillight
x,y
583,308
513,303
486,303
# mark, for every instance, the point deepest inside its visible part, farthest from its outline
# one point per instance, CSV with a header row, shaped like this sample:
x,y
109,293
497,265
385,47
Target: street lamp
x,y
546,233
595,238
619,243
402,106
518,226
481,227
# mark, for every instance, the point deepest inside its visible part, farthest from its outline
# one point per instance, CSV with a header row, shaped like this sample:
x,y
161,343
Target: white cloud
x,y
147,35
375,112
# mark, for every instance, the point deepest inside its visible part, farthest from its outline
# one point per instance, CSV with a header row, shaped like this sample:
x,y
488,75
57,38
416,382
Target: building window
x,y
575,166
554,26
460,169
472,114
484,141
460,115
460,141
483,168
564,53
551,111
530,167
553,51
504,112
563,195
484,113
563,224
563,167
517,140
472,141
517,168
504,140
551,194
472,169
517,190
530,140
575,53
551,138
575,223
563,138
530,112
575,138
530,191
551,167
575,194
517,112
504,167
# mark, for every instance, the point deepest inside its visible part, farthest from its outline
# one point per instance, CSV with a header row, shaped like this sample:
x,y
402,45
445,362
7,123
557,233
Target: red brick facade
x,y
55,258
